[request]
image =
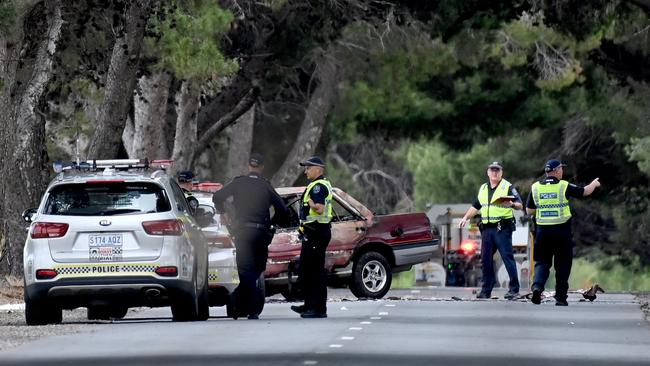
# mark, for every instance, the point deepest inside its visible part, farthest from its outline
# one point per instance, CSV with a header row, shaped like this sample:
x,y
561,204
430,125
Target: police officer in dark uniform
x,y
252,229
495,201
185,180
548,201
315,230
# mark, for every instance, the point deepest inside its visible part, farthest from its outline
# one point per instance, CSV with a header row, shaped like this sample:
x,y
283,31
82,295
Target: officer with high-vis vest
x,y
315,230
496,201
549,202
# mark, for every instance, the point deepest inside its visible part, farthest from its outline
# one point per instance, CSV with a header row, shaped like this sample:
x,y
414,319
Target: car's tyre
x,y
106,312
371,276
41,313
204,300
185,305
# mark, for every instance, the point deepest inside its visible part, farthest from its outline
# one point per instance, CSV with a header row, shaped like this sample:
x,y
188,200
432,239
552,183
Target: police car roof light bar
x,y
95,164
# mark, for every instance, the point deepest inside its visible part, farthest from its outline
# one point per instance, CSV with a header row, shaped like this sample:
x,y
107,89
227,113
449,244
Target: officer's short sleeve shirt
x,y
571,191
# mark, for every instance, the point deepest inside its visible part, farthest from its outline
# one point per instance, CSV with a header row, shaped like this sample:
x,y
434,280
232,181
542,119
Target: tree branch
x,y
229,118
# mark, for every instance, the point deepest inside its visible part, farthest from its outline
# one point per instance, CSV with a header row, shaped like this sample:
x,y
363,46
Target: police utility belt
x,y
502,224
255,225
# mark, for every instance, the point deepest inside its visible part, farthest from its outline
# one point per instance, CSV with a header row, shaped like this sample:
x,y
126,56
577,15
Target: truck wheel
x,y
41,313
371,276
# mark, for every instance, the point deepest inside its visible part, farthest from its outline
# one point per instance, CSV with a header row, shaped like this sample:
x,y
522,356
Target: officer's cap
x,y
185,176
495,165
552,165
313,161
256,160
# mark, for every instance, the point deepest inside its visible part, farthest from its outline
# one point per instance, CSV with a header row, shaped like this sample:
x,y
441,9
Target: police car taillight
x,y
42,230
45,274
168,271
163,227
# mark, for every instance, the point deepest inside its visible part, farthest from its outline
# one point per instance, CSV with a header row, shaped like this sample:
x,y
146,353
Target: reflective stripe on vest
x,y
492,212
552,204
313,216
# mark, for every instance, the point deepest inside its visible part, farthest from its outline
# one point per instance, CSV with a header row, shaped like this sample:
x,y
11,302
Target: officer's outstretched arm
x,y
471,212
589,189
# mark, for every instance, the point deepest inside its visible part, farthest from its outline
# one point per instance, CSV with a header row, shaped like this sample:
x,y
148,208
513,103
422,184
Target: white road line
x,y
390,305
375,317
355,328
415,291
383,313
366,322
310,362
336,346
322,352
347,338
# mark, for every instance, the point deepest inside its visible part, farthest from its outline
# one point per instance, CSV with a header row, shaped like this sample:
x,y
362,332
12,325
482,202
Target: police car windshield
x,y
106,199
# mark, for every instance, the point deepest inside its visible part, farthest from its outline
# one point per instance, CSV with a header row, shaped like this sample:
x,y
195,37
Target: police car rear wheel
x,y
185,305
371,276
42,313
204,299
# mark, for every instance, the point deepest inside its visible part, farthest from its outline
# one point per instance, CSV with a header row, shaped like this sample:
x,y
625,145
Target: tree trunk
x,y
144,136
120,82
185,137
240,141
312,126
25,173
229,118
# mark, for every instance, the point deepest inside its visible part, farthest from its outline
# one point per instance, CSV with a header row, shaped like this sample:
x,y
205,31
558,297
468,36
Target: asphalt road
x,y
407,328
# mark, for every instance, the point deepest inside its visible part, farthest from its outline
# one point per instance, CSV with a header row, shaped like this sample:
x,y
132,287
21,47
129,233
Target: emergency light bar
x,y
60,166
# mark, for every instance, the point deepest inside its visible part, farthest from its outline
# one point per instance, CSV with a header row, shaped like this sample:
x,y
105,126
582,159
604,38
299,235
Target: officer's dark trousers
x,y
252,253
493,239
553,245
313,279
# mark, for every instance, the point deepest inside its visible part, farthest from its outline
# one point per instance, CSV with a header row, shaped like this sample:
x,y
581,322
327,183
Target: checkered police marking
x,y
106,269
213,277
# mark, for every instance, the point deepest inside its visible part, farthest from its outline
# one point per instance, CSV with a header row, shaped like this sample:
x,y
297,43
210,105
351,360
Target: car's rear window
x,y
106,199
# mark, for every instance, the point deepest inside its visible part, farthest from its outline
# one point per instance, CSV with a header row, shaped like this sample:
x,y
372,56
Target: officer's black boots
x,y
299,308
313,314
537,296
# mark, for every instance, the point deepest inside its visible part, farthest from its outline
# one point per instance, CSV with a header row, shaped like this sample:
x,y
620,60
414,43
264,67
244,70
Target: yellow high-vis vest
x,y
552,204
491,212
313,216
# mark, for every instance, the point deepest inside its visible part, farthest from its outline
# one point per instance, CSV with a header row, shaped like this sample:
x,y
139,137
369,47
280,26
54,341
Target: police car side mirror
x,y
203,215
29,214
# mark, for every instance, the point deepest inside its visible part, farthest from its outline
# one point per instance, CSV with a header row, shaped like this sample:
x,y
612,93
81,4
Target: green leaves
x,y
7,15
188,39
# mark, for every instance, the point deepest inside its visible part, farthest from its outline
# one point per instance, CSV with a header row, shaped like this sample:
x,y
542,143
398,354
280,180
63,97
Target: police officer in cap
x,y
185,179
252,228
315,219
549,202
495,201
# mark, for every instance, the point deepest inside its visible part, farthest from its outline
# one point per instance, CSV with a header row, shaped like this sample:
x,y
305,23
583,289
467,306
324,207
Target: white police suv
x,y
114,234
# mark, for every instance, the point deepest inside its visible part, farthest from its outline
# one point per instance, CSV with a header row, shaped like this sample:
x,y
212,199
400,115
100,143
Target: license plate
x,y
95,240
105,247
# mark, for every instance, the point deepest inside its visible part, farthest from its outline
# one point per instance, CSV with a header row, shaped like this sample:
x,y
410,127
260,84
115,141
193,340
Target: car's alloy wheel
x,y
371,276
